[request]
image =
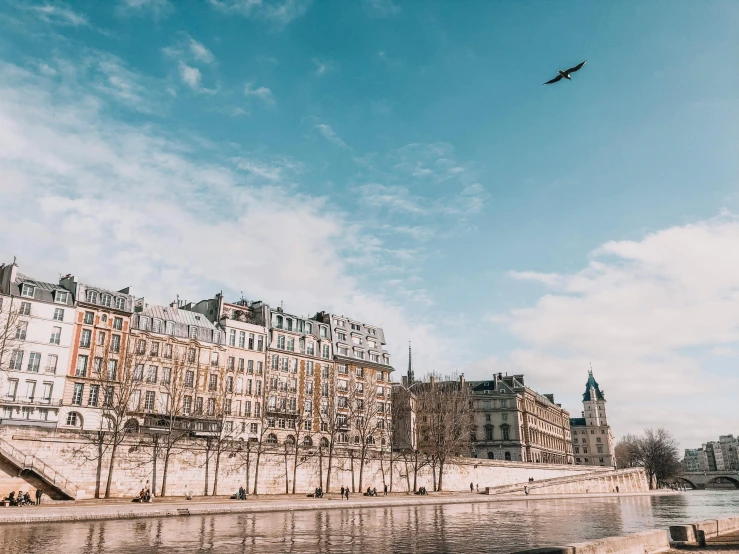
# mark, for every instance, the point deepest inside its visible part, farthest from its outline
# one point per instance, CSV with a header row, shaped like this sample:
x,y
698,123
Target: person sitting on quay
x,y
27,498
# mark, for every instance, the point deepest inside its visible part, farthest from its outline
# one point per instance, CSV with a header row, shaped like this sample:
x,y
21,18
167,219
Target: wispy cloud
x,y
200,52
279,12
190,76
327,132
154,8
59,14
322,66
262,93
381,8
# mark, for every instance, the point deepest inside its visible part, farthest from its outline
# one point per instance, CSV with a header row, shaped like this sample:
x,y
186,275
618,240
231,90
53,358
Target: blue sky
x,y
402,163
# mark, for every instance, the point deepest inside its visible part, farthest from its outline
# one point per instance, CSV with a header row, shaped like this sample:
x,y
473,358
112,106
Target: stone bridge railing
x,y
699,479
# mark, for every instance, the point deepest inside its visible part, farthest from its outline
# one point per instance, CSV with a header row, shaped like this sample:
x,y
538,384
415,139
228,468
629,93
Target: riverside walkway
x,y
89,510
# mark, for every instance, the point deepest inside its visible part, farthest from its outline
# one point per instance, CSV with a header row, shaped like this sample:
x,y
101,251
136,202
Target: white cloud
x,y
59,14
120,204
262,93
200,52
330,135
649,314
322,66
280,12
156,8
190,76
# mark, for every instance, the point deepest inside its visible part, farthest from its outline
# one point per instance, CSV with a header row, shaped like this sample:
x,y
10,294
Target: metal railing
x,y
41,468
36,400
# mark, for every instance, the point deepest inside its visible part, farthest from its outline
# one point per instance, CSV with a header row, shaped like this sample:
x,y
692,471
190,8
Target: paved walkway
x,y
121,509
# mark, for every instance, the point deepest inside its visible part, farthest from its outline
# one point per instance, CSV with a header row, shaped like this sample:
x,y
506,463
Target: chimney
x,y
461,380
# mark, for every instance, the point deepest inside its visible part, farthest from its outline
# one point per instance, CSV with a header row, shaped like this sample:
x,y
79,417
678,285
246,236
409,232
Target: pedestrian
x,y
472,488
347,493
342,492
39,492
385,491
477,487
617,488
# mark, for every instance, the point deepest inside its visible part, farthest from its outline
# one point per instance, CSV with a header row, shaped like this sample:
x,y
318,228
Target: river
x,y
454,528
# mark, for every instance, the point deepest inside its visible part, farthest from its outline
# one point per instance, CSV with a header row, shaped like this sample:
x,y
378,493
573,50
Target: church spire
x,y
410,364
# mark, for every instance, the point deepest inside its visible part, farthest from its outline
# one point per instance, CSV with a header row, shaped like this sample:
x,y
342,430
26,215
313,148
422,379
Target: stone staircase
x,y
28,462
629,480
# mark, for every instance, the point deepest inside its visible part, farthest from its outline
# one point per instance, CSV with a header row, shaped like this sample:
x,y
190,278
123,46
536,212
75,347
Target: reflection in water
x,y
459,528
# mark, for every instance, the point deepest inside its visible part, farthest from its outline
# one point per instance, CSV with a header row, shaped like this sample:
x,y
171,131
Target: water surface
x,y
455,528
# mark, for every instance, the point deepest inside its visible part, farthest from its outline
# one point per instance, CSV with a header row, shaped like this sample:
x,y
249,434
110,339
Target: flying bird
x,y
566,73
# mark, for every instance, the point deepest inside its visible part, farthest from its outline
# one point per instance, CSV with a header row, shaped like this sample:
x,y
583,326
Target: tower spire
x,y
410,364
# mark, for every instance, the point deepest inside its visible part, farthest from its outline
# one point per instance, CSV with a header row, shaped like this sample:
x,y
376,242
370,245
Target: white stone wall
x,y
187,472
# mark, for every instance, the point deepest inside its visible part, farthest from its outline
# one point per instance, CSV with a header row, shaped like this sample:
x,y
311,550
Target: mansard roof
x,y
592,384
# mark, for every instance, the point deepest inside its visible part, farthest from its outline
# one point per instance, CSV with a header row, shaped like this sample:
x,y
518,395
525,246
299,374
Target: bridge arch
x,y
719,478
687,482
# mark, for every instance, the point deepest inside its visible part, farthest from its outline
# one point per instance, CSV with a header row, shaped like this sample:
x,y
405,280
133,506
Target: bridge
x,y
699,479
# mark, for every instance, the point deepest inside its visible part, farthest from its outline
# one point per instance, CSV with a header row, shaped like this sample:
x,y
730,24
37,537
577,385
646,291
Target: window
x,y
342,385
79,389
120,303
193,332
213,383
112,370
285,364
51,362
92,399
309,369
229,384
16,360
577,450
106,300
214,359
74,419
81,367
149,400
597,439
309,387
118,323
341,336
21,329
360,372
281,342
25,308
507,456
151,375
141,346
600,451
101,338
58,314
342,402
356,339
191,355
135,401
211,406
27,290
231,363
138,372
143,322
506,434
85,338
249,366
260,368
89,318
232,337
56,335
166,375
154,351
167,351
324,372
163,402
97,364
189,378
187,405
115,344
326,351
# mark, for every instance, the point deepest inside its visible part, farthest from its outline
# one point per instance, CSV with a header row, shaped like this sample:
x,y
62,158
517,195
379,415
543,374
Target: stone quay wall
x,y
75,459
622,480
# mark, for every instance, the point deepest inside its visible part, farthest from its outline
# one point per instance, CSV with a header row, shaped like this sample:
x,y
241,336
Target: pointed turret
x,y
410,365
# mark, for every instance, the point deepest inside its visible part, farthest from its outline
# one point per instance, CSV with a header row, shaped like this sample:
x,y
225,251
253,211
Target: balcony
x,y
29,400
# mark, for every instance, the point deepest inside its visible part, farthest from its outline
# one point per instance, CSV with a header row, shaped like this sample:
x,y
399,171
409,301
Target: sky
x,y
401,163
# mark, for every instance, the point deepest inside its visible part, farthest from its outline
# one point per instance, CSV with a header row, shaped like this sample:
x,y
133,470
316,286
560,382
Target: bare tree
x,y
220,417
625,452
363,406
12,333
446,423
332,421
657,452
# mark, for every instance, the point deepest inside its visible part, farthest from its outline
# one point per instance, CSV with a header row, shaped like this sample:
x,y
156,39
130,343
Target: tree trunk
x,y
164,471
207,463
110,469
99,469
415,471
328,472
441,475
155,453
248,459
215,473
351,458
433,473
295,466
320,466
363,454
287,479
256,468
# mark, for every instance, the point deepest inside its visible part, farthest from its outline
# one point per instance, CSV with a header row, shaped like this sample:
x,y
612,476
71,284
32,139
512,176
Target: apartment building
x,y
102,321
37,327
245,342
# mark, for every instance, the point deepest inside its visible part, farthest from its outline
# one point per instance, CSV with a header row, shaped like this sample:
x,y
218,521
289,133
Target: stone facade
x,y
718,455
592,440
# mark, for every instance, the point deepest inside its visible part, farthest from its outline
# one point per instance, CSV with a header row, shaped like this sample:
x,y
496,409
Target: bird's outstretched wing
x,y
557,78
573,69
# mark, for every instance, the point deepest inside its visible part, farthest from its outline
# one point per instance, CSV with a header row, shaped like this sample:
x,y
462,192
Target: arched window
x,y
74,419
271,438
383,441
356,439
508,456
132,426
324,442
308,442
370,440
289,440
491,456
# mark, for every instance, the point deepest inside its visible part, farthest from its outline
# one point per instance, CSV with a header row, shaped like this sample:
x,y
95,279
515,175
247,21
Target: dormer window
x,y
28,290
216,337
323,331
156,326
289,324
120,303
60,297
143,322
308,327
91,296
356,327
106,300
193,332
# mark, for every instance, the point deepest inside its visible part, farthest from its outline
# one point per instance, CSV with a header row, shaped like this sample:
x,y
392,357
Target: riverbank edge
x,y
104,512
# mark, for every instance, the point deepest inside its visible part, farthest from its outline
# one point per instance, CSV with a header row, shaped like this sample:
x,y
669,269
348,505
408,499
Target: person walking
x,y
39,493
384,492
347,493
472,488
342,492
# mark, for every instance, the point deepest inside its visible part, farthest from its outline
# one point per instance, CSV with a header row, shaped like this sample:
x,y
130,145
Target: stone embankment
x,y
622,480
711,535
91,510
